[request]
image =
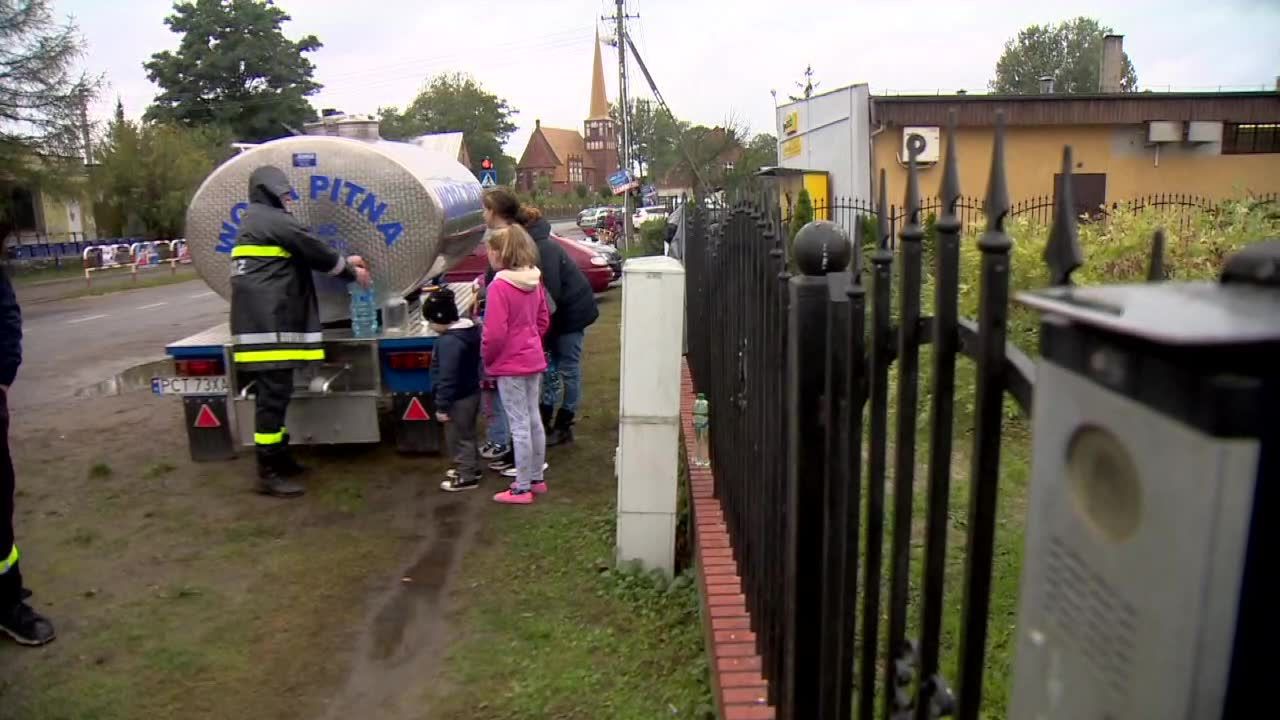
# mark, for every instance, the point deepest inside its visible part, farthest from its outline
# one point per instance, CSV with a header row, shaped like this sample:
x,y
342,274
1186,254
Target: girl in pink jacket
x,y
515,320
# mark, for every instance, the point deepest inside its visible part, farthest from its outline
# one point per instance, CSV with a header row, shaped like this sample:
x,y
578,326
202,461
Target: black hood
x,y
539,230
267,185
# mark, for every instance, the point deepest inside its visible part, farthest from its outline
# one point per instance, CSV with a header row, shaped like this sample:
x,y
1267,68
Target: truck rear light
x,y
409,360
199,368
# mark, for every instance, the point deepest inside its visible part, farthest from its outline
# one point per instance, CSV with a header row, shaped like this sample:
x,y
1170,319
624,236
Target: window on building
x,y
1249,138
575,171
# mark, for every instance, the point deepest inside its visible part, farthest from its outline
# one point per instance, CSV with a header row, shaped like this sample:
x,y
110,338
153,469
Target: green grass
x,y
548,628
23,275
159,279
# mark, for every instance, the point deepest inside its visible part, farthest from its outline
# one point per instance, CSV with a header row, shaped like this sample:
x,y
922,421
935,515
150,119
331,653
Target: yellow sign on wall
x,y
792,148
791,123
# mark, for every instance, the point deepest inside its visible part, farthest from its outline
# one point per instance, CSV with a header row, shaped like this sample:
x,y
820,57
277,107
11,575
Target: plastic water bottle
x,y
364,311
701,432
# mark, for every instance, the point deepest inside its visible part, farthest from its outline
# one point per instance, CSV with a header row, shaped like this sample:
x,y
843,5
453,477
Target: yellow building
x,y
40,216
1125,146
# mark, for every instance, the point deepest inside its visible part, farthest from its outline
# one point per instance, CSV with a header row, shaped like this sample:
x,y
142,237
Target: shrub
x,y
802,214
653,234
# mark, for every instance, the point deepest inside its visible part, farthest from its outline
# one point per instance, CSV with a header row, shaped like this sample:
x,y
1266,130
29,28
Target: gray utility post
x,y
624,150
1147,586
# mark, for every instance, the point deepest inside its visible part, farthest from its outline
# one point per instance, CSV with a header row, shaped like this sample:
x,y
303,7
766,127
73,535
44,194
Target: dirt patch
x,y
180,594
407,631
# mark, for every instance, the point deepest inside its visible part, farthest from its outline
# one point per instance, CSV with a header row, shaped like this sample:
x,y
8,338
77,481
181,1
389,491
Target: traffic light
x,y
486,164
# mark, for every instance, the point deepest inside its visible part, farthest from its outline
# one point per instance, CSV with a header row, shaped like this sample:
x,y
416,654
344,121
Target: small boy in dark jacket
x,y
455,378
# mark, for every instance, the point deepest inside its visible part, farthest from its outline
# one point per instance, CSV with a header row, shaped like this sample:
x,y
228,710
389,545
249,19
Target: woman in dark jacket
x,y
574,310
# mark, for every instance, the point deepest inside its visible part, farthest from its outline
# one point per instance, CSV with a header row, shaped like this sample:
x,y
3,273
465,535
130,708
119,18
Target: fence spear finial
x,y
1155,270
882,213
997,201
950,190
915,146
1062,253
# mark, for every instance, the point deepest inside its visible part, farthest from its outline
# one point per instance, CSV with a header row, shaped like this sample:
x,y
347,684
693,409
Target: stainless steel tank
x,y
410,212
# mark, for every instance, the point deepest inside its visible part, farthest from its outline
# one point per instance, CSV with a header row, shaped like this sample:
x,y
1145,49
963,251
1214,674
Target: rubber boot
x,y
271,481
287,465
562,432
548,416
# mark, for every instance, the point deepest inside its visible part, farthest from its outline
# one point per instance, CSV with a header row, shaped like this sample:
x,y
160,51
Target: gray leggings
x,y
520,399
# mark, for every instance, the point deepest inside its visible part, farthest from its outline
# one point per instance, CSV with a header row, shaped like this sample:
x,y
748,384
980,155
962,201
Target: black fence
x,y
797,372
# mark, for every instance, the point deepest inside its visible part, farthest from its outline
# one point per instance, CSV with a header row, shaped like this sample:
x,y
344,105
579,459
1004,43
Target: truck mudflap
x,y
415,427
208,429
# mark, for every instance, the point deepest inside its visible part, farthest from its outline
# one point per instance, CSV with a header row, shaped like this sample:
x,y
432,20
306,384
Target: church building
x,y
567,159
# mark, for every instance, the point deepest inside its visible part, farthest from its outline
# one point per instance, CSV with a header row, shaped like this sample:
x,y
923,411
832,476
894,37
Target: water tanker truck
x,y
410,212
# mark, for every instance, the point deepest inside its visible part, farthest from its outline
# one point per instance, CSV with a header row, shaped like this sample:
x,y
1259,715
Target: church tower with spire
x,y
599,129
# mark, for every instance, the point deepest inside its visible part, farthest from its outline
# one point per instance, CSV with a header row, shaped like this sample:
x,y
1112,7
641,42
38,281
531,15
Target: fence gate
x,y
791,365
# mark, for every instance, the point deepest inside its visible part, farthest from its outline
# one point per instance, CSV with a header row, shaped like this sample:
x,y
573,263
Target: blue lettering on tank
x,y
391,232
371,208
458,199
227,238
352,191
319,183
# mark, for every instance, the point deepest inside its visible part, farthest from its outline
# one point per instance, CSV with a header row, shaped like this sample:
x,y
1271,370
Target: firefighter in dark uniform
x,y
17,619
275,316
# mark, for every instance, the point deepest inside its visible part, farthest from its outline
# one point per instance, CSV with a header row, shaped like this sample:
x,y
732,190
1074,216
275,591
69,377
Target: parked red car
x,y
591,263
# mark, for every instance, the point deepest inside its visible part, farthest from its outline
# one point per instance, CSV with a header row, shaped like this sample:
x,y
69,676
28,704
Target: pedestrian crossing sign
x,y
488,178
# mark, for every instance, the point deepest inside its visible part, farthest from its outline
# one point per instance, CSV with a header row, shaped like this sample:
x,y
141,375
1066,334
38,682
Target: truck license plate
x,y
210,385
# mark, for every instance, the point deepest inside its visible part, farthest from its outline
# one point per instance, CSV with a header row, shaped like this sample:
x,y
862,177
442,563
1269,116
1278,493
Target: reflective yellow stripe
x,y
259,251
9,561
265,356
269,438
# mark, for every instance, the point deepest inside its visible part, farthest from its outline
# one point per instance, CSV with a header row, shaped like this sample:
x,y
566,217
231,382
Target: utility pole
x,y
624,153
84,128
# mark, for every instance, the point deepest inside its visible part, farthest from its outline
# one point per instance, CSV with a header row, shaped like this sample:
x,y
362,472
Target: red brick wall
x,y
740,690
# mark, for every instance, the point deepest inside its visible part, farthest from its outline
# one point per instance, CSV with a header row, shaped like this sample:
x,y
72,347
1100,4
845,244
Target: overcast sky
x,y
711,58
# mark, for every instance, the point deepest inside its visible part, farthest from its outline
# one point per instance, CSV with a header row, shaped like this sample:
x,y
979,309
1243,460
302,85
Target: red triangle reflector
x,y
206,419
415,412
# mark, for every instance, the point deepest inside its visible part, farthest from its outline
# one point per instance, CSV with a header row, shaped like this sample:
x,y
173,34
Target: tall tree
x,y
41,96
651,130
1069,52
148,172
233,68
455,102
761,152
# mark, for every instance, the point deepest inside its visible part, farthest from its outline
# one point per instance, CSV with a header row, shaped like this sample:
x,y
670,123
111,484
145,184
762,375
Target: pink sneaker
x,y
511,497
538,488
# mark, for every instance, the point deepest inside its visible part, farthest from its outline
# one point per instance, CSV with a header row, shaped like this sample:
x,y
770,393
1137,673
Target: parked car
x,y
590,217
593,264
651,212
610,254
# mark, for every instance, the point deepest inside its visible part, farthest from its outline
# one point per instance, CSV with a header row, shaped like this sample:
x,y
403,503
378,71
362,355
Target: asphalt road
x,y
72,344
567,228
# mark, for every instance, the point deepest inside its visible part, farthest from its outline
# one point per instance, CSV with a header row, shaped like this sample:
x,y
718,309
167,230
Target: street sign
x,y
621,182
488,178
649,194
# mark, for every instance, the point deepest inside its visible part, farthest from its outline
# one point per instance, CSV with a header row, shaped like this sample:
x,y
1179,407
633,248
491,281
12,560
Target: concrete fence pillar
x,y
649,416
